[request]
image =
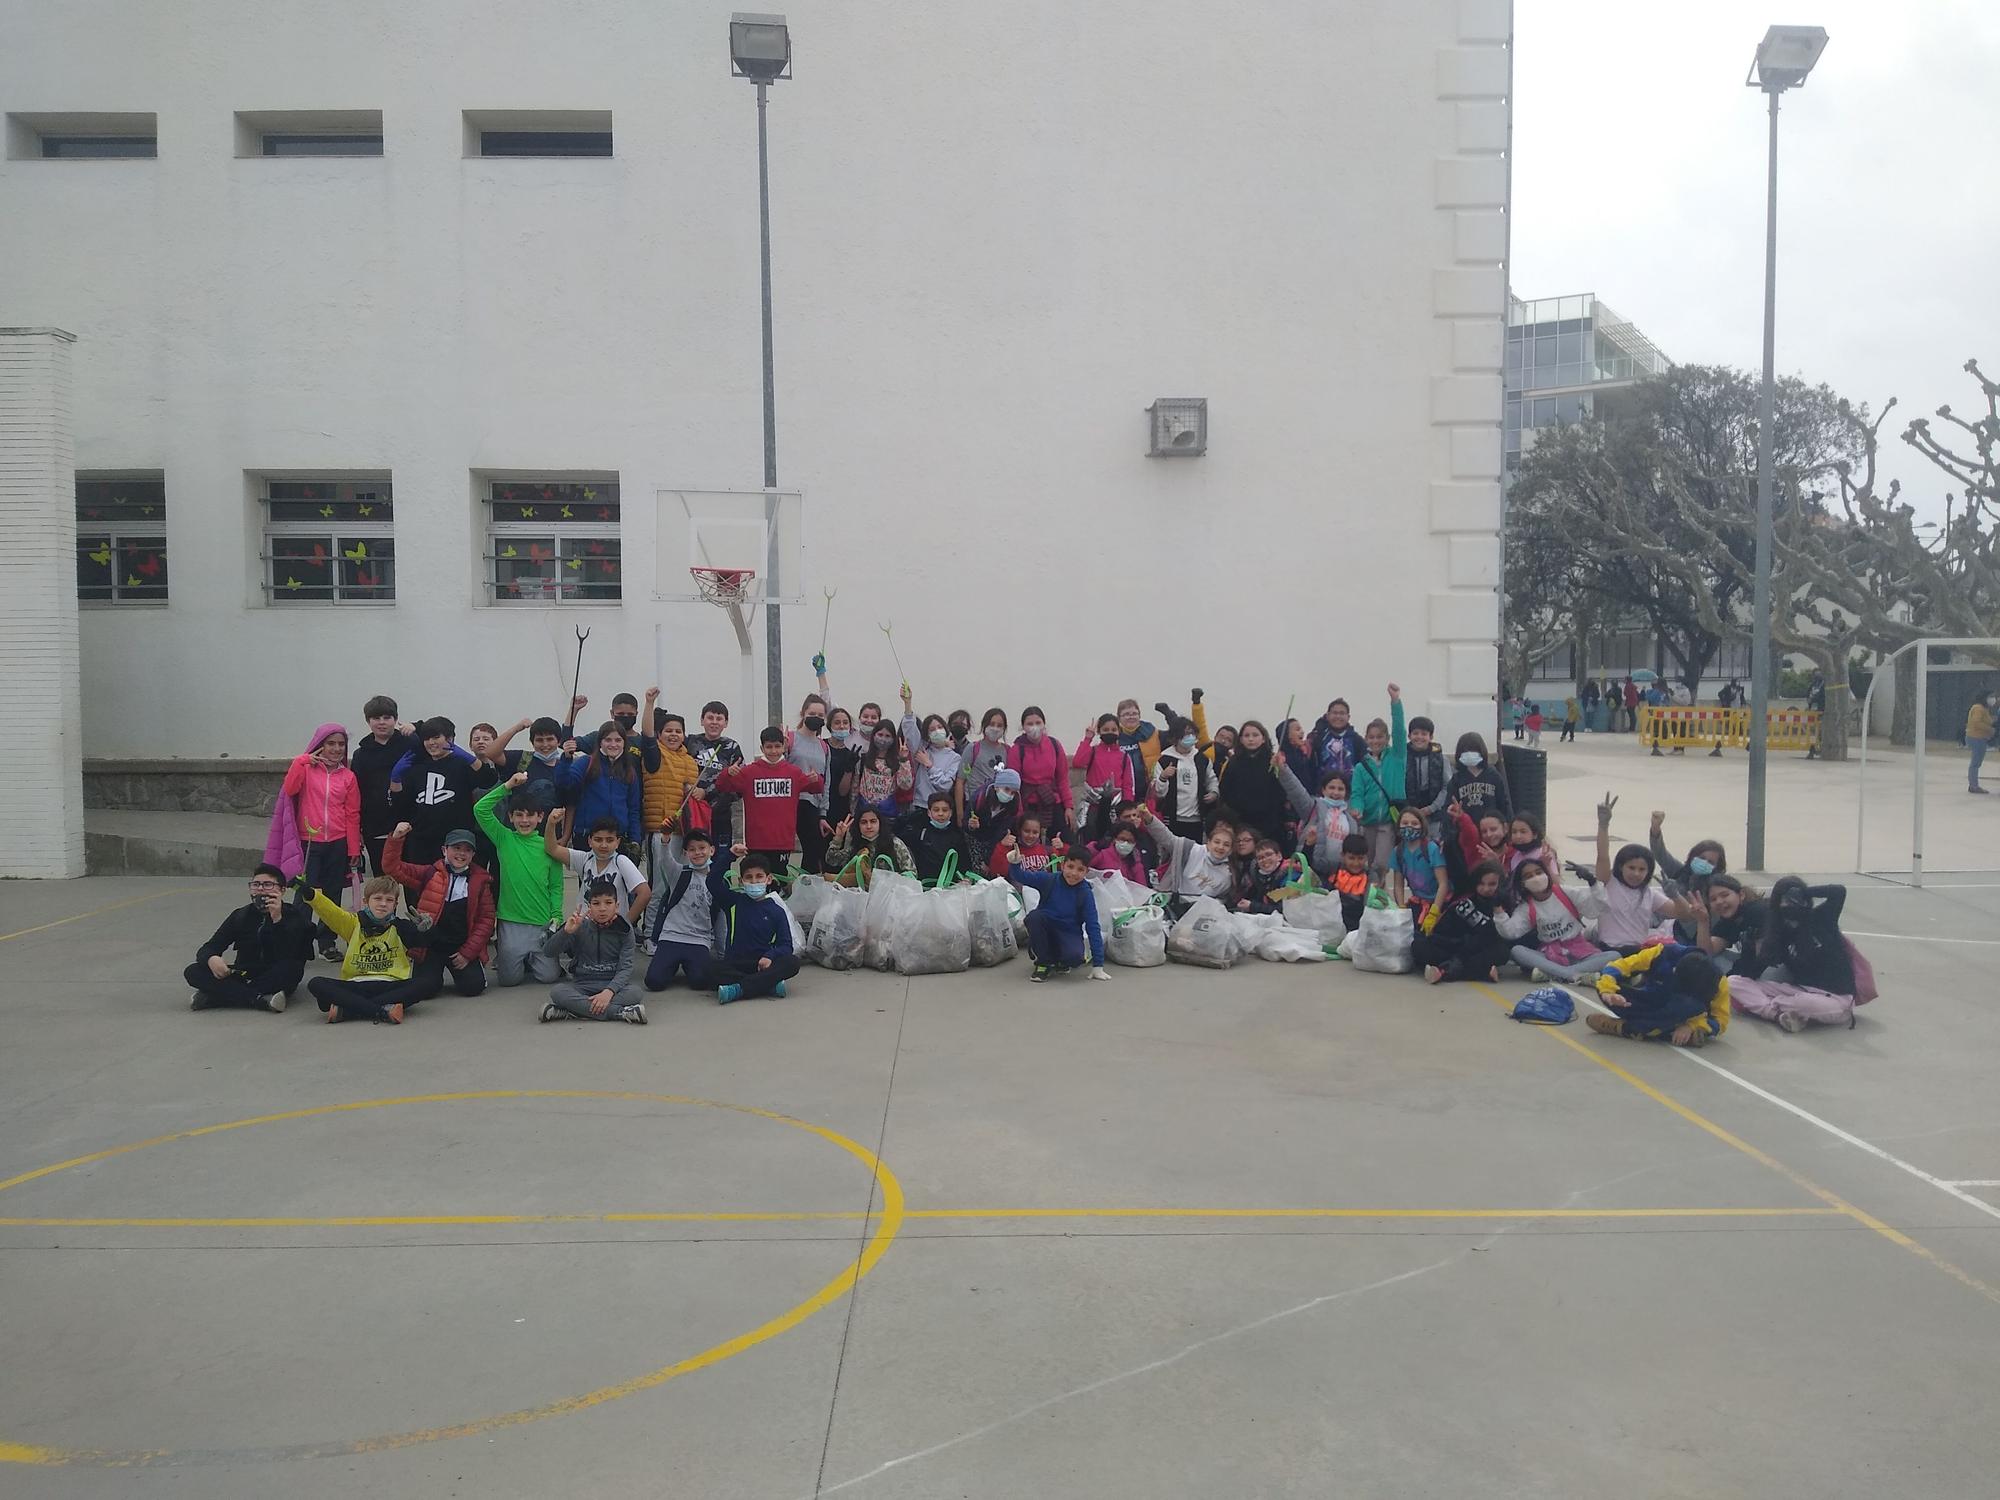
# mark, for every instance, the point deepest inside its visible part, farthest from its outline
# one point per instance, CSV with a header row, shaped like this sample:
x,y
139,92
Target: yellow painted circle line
x,y
889,1221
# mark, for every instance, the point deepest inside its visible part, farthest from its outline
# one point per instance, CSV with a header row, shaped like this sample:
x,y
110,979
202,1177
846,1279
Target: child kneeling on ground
x,y
1666,990
376,973
1064,918
757,955
599,945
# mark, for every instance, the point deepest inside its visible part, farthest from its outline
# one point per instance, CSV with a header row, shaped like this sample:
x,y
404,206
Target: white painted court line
x,y
1956,1190
1924,937
1976,1182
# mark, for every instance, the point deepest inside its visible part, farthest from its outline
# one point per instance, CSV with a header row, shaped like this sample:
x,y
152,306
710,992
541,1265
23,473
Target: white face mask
x,y
1536,887
939,737
1187,742
1124,848
993,732
1033,732
1470,760
1003,794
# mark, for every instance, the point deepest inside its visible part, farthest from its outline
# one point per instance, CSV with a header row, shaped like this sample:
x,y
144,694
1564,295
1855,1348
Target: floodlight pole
x,y
1760,610
774,654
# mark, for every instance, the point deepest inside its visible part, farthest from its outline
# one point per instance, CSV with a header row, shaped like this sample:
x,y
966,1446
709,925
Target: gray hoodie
x,y
598,955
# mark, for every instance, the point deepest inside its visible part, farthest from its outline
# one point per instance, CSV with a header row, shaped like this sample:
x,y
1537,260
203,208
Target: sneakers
x,y
636,1014
1432,973
1697,1039
1979,791
1792,1021
553,1012
728,992
329,953
198,1001
1604,1025
1038,973
778,990
275,1004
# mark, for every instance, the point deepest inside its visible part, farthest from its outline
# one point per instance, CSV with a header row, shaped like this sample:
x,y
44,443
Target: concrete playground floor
x,y
1812,805
1276,1231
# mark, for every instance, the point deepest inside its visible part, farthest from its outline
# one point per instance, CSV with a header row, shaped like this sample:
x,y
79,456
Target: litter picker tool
x,y
826,619
888,628
582,635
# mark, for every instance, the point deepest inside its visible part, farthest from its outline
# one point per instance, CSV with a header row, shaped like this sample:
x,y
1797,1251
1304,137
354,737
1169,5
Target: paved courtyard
x,y
1276,1231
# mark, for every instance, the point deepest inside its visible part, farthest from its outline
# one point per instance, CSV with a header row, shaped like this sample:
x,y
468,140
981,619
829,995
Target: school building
x,y
1118,349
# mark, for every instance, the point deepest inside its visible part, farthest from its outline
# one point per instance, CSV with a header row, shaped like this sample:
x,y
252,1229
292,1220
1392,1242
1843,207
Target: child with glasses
x,y
272,942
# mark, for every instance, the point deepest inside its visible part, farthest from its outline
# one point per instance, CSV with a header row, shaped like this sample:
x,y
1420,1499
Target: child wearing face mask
x,y
1464,943
1476,786
1120,853
937,836
806,748
757,957
1418,865
1547,926
981,758
1183,786
842,759
992,815
933,760
1107,779
1689,877
1327,827
1043,767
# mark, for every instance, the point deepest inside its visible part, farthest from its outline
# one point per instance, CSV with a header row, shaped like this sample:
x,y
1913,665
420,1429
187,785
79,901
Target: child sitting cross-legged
x,y
600,948
1268,869
1549,931
1664,991
757,955
1064,918
376,972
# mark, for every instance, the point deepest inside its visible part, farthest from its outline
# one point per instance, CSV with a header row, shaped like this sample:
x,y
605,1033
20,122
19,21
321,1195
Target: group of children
x,y
483,839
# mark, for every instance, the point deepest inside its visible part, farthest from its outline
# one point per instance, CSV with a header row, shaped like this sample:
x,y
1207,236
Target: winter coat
x,y
598,791
374,763
664,792
1375,786
260,942
428,884
754,927
1066,907
1044,769
1105,766
1333,750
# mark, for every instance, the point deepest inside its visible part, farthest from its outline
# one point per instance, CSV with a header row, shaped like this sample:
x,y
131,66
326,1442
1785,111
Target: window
x,y
309,132
329,541
78,136
538,132
553,540
121,539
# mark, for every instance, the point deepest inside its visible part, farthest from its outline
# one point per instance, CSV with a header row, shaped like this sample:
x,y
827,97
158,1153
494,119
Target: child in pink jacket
x,y
323,801
1107,779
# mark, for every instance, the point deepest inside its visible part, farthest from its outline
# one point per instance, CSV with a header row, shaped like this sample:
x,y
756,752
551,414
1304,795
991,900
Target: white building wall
x,y
41,796
998,235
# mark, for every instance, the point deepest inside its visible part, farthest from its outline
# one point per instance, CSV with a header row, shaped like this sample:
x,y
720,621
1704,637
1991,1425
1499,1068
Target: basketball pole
x,y
774,654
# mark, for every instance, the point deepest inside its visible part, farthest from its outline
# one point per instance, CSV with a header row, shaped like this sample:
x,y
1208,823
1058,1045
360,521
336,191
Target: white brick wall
x,y
41,796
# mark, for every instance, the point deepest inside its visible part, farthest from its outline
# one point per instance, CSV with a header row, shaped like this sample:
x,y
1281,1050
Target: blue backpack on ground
x,y
1547,1007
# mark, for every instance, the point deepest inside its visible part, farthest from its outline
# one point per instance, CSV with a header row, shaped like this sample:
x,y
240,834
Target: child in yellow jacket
x,y
1665,990
376,972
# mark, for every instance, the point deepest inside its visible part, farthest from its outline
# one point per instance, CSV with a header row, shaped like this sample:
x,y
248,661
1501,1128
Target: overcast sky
x,y
1639,175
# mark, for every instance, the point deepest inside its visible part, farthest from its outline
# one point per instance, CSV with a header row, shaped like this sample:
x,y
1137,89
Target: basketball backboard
x,y
761,530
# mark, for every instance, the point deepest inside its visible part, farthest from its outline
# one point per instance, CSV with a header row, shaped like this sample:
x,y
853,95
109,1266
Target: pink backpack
x,y
1864,974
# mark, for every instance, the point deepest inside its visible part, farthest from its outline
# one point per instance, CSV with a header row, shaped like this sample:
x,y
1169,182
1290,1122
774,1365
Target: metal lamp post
x,y
760,49
1784,58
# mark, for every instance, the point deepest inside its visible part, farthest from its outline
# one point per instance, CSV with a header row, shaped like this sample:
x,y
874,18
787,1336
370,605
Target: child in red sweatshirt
x,y
770,787
1027,842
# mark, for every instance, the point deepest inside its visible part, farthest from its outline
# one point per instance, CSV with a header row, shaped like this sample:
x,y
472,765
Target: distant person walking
x,y
1572,714
1978,735
1815,704
1629,696
1589,697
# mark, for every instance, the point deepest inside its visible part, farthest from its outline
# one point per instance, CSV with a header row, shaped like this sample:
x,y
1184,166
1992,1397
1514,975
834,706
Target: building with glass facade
x,y
1570,359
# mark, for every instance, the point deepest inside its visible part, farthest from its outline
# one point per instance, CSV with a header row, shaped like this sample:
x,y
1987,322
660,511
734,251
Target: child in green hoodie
x,y
531,885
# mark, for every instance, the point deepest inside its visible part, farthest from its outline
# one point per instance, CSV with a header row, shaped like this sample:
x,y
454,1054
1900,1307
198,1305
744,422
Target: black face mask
x,y
960,731
625,721
814,724
1109,736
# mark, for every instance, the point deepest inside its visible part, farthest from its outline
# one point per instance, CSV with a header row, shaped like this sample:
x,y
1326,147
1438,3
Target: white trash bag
x,y
1021,899
835,939
807,893
1250,930
1204,936
792,917
888,893
1382,942
1318,912
1292,945
990,923
1114,894
1137,939
932,934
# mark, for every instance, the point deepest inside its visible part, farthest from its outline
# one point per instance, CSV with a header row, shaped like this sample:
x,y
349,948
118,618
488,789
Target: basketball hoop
x,y
724,586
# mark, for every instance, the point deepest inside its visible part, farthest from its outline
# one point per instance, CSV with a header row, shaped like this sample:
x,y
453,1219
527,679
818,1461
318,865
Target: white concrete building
x,y
999,236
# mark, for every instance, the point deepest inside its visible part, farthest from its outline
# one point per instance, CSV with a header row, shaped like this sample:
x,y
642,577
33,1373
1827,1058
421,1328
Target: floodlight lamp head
x,y
760,47
1785,56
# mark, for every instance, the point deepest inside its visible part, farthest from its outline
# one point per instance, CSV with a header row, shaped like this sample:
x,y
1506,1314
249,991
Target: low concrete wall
x,y
246,787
